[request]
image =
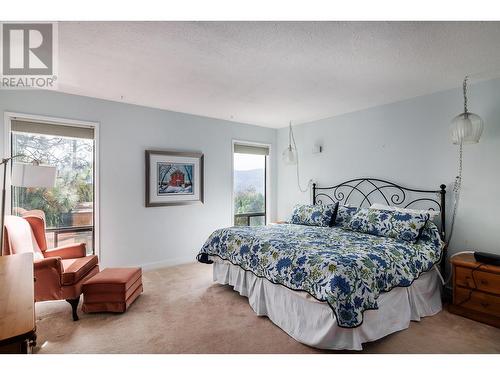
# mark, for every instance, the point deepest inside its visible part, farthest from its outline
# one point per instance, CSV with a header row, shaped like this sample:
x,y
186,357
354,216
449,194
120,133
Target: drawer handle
x,y
485,304
484,282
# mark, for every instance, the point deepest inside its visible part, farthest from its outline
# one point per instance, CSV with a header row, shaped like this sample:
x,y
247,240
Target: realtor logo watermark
x,y
28,55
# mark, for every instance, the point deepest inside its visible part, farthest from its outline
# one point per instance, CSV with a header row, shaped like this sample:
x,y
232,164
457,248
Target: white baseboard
x,y
168,263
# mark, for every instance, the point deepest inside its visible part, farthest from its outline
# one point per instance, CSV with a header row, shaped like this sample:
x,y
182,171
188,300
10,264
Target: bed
x,y
330,287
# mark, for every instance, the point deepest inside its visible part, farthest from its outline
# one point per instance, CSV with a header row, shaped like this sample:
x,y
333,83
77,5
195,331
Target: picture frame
x,y
173,178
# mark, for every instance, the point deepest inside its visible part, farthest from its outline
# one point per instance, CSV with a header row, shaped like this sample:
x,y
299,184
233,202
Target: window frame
x,y
267,176
9,116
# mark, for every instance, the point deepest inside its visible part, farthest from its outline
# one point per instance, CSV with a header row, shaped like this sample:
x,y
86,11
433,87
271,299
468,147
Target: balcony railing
x,y
250,219
57,232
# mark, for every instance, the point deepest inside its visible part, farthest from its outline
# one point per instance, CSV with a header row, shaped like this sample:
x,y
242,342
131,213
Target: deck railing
x,y
246,218
67,230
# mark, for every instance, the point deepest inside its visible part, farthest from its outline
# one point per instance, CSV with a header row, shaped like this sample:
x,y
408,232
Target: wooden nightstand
x,y
476,290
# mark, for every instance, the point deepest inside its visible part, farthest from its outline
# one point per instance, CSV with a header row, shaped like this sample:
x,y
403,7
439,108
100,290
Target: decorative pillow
x,y
400,225
344,215
317,215
432,213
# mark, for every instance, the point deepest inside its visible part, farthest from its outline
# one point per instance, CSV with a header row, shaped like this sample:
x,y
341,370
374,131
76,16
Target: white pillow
x,y
379,206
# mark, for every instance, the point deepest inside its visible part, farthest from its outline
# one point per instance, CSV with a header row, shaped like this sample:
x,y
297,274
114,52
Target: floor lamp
x,y
25,175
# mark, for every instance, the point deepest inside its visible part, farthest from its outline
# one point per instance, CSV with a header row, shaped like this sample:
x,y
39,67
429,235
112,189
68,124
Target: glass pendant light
x,y
467,127
290,153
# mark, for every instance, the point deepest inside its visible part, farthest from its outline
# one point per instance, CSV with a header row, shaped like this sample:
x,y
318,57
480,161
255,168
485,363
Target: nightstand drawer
x,y
485,281
478,301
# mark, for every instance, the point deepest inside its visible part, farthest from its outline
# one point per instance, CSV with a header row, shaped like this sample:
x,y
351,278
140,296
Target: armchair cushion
x,y
72,251
75,269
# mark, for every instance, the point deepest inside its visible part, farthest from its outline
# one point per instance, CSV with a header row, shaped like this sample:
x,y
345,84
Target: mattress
x,y
313,322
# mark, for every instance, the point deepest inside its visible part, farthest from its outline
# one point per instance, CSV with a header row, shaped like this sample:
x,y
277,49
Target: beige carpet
x,y
183,311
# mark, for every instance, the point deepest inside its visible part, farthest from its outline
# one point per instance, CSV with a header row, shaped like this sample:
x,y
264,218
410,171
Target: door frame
x,y
9,116
267,182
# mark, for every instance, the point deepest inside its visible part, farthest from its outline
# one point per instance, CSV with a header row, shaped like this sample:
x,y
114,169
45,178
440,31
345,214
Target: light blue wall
x,y
408,142
132,234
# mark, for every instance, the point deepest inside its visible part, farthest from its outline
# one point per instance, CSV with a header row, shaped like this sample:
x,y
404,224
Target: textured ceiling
x,y
267,73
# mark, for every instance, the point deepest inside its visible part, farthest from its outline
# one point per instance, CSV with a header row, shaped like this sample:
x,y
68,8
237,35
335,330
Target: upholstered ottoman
x,y
112,290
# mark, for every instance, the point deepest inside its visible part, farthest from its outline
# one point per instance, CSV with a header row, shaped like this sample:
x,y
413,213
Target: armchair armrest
x,y
53,263
72,251
48,275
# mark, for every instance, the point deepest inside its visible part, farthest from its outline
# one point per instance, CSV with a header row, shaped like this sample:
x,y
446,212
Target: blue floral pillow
x,y
344,215
400,225
317,215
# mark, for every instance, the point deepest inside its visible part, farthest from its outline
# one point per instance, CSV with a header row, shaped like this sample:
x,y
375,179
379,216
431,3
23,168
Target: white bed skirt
x,y
313,323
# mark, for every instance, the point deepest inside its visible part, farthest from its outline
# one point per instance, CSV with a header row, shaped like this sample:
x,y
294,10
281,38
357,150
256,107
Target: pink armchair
x,y
59,272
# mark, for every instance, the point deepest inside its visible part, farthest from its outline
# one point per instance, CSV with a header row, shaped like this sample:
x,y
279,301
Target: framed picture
x,y
173,177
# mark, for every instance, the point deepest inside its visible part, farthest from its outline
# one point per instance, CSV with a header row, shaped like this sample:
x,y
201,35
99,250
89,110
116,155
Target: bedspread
x,y
346,269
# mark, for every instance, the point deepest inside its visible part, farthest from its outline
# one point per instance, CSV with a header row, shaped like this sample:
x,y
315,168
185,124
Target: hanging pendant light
x,y
467,127
290,153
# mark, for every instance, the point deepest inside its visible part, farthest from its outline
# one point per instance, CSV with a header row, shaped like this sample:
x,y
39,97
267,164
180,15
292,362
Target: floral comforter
x,y
346,269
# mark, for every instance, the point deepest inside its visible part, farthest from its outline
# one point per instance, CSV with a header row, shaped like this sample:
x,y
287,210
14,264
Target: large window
x,y
69,206
249,183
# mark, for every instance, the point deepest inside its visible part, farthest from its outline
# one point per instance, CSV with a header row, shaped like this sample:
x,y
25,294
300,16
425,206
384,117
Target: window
x,y
69,206
249,184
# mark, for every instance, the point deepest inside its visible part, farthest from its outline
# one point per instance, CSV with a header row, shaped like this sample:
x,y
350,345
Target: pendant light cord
x,y
465,93
292,139
456,192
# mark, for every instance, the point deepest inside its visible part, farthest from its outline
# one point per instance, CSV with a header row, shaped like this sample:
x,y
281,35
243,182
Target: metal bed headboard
x,y
367,190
